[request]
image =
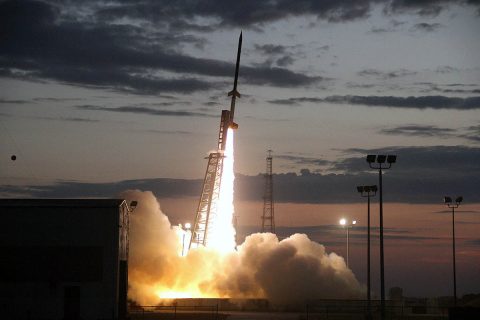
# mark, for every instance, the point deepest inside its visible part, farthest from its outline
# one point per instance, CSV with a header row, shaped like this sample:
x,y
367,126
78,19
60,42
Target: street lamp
x,y
367,192
377,162
186,229
448,201
347,226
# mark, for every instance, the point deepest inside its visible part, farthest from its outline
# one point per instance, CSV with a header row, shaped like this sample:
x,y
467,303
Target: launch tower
x,y
268,216
207,209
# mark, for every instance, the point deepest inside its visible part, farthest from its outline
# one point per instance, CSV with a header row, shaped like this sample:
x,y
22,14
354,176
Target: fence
x,y
174,312
358,309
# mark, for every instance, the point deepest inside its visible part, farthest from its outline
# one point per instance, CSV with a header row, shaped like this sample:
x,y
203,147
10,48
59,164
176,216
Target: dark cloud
x,y
384,75
472,134
449,88
419,131
270,49
421,175
113,56
9,101
145,110
446,69
302,160
230,13
285,61
426,27
424,7
422,102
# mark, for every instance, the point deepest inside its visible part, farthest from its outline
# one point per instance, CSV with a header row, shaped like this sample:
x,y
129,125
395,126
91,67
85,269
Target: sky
x,y
101,96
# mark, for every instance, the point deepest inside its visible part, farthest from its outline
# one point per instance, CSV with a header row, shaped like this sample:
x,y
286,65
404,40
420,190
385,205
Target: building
x,y
63,258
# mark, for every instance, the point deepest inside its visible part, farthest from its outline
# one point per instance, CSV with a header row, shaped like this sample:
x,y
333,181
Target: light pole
x,y
185,231
367,192
377,162
450,204
343,222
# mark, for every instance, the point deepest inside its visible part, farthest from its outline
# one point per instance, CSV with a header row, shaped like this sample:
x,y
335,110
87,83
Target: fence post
x,y
307,311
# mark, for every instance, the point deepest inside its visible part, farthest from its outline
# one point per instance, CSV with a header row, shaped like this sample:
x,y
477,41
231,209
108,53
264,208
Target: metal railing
x,y
174,312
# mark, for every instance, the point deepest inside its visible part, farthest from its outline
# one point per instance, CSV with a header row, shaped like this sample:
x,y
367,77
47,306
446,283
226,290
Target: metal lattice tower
x,y
268,217
207,206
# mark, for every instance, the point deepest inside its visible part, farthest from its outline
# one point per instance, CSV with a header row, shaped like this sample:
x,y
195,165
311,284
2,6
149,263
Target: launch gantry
x,y
268,216
207,209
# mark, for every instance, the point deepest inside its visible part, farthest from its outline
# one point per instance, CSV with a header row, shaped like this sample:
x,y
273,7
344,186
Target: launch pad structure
x,y
268,216
207,209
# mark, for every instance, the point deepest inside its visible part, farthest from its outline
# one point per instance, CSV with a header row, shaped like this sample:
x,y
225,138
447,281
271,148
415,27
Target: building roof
x,y
83,203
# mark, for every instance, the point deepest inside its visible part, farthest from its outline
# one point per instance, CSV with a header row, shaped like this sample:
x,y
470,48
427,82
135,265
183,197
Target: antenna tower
x,y
268,217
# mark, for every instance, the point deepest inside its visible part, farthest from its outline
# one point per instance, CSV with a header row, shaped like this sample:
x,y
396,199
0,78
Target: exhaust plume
x,y
284,272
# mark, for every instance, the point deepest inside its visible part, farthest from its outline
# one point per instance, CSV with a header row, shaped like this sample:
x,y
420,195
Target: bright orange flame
x,y
221,238
222,234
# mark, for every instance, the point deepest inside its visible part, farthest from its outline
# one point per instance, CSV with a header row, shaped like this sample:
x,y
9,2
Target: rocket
x,y
227,115
234,93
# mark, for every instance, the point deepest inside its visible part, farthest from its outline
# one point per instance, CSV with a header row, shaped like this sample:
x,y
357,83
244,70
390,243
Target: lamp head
x,y
381,158
188,225
391,158
447,199
459,199
360,189
374,188
343,222
371,158
354,222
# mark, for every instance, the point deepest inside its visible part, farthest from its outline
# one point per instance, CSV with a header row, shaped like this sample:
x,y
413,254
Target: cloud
x,y
422,102
122,57
9,101
231,14
423,8
419,131
384,75
473,133
270,49
145,110
302,160
421,175
426,27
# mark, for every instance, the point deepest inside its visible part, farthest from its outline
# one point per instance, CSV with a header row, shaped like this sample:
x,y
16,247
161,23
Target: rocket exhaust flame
x,y
286,272
222,233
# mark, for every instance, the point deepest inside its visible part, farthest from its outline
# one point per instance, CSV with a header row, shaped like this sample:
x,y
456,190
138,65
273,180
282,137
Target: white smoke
x,y
285,272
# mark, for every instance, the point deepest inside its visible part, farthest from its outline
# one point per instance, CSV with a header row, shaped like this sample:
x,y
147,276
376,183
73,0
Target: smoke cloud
x,y
284,272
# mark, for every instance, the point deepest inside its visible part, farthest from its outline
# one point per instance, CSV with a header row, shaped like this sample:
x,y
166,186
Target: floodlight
x,y
133,204
381,158
343,222
373,188
188,225
360,189
447,200
459,199
354,222
371,158
391,158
